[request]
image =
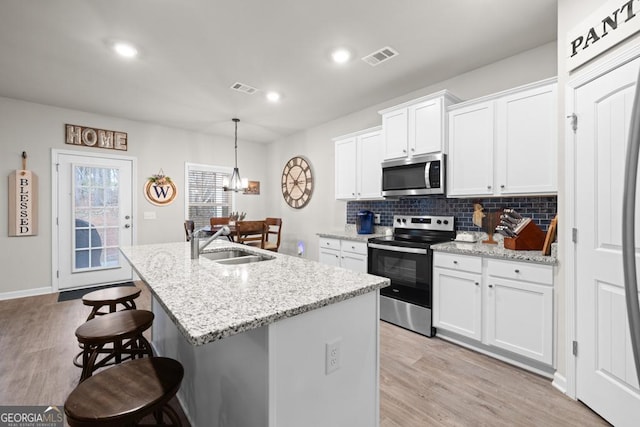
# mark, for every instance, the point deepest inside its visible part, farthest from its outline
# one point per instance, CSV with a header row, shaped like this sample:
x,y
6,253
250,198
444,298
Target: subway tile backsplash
x,y
540,209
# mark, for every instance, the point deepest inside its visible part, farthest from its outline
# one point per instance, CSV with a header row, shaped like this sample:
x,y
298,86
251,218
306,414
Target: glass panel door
x,y
94,203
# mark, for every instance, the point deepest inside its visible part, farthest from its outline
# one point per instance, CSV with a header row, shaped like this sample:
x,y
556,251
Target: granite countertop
x,y
349,233
209,301
496,251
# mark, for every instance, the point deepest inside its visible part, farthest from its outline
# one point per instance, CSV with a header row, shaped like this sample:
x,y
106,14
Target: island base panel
x,y
275,375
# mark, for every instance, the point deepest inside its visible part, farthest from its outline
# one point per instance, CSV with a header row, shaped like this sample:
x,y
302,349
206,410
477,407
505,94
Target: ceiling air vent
x,y
241,87
380,56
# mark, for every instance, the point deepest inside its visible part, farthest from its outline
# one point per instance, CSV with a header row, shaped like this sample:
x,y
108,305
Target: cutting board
x,y
551,236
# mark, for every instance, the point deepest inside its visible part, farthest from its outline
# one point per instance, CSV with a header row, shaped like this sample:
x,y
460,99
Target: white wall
x,y
26,261
324,213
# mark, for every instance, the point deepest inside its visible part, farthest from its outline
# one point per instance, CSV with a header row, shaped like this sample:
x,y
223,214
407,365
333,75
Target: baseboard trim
x,y
559,382
25,293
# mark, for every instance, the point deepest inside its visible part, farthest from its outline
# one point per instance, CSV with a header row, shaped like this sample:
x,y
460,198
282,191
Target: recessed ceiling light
x,y
340,56
273,96
125,50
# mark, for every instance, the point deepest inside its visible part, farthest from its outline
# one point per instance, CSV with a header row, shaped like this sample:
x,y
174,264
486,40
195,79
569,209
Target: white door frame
x,y
55,153
580,79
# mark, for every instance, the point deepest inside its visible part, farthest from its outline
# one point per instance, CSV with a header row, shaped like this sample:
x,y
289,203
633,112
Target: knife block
x,y
530,238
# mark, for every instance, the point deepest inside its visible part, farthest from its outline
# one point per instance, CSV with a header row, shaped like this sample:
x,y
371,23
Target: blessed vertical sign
x,y
23,203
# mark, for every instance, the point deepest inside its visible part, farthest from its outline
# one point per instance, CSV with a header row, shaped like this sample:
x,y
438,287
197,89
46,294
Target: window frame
x,y
189,166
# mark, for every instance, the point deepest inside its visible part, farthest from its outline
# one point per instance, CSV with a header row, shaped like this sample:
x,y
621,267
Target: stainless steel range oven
x,y
406,258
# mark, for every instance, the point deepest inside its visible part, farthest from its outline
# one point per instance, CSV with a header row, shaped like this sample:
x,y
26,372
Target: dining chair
x,y
274,227
252,233
189,227
215,221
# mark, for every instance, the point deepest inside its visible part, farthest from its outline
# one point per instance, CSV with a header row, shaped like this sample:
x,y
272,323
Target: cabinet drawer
x,y
326,242
354,247
458,262
521,271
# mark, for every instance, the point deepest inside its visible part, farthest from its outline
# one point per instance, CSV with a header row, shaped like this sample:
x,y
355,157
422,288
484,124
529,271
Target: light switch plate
x,y
376,219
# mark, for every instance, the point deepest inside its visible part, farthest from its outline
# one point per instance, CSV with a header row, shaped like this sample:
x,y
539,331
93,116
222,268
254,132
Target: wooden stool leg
x,y
89,361
93,313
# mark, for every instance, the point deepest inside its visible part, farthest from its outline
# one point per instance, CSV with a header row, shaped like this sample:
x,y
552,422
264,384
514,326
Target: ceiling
x,y
57,52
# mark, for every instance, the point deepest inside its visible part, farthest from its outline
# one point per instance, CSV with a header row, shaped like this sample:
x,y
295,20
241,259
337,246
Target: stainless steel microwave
x,y
414,176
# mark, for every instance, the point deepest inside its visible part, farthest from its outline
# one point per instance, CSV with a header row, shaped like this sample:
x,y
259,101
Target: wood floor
x,y
423,381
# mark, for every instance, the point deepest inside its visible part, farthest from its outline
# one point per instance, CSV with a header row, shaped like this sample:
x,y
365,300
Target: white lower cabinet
x,y
497,304
344,253
457,296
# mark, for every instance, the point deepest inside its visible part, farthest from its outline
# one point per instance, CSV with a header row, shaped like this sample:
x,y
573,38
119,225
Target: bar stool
x,y
124,394
114,337
124,295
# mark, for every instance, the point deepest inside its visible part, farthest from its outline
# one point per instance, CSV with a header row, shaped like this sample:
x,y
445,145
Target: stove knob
x,y
446,221
398,220
439,221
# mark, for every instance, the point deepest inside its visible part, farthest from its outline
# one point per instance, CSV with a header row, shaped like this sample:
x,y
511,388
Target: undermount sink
x,y
235,256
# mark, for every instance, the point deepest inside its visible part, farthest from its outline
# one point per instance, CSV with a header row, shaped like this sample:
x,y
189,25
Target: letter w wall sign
x,y
160,194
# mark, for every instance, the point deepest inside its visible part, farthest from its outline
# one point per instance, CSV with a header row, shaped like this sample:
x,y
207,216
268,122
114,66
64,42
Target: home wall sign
x,y
611,24
160,189
92,137
23,201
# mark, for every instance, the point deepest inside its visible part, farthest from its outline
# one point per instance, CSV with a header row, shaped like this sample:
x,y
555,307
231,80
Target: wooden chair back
x,y
251,233
189,227
215,221
274,227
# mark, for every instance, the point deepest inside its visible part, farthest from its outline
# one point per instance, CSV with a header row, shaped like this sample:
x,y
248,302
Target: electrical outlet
x,y
376,219
332,356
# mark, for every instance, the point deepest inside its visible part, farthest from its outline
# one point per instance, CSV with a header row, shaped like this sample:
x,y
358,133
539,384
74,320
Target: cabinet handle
x,y
413,149
517,271
477,283
359,194
353,194
491,286
404,151
455,262
488,187
502,186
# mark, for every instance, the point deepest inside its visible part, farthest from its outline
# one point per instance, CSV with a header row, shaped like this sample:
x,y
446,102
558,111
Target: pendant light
x,y
235,183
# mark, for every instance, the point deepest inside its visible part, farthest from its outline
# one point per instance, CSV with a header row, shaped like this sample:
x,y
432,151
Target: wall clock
x,y
297,182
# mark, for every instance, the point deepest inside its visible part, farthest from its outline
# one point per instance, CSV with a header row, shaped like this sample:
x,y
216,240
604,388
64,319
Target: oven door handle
x,y
398,249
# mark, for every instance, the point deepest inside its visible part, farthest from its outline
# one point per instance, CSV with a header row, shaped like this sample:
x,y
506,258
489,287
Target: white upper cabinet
x,y
416,127
346,168
358,174
470,160
527,141
368,158
504,144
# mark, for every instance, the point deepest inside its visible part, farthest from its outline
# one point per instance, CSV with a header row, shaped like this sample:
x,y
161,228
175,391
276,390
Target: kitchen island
x,y
281,342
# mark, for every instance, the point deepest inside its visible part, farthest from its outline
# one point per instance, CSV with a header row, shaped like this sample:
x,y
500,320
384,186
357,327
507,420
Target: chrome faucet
x,y
196,249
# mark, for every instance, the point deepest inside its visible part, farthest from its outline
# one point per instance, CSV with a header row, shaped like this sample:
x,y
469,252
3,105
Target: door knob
x,y
127,226
127,217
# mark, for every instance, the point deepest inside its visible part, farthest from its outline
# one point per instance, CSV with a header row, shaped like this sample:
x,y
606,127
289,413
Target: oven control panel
x,y
427,222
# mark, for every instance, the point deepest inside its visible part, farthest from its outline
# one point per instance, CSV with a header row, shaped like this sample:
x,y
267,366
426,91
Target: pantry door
x,y
93,219
605,376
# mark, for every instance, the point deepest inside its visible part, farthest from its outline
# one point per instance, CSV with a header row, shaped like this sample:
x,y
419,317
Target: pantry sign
x,y
611,24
